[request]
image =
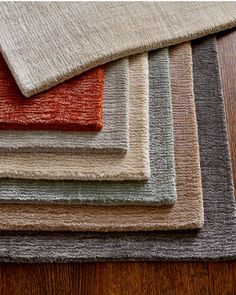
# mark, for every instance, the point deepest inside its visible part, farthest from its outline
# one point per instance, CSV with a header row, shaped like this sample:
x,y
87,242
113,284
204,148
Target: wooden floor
x,y
138,278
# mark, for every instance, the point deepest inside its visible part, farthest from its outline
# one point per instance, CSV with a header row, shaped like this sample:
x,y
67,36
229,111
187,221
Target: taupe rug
x,y
160,189
40,40
186,213
133,165
215,241
113,138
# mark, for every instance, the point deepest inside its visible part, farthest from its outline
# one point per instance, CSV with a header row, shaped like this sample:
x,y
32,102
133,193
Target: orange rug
x,y
73,105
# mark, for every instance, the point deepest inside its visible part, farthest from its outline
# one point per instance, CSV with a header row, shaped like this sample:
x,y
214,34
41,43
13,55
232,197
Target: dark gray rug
x,y
215,241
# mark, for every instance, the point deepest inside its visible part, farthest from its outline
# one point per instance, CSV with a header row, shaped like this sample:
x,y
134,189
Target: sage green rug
x,y
160,189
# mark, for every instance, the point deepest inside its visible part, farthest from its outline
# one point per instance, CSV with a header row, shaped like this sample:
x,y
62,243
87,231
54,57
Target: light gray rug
x,y
113,138
39,41
215,241
160,189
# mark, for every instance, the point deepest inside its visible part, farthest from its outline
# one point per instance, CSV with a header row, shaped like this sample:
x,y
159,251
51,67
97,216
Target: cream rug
x,y
47,43
133,165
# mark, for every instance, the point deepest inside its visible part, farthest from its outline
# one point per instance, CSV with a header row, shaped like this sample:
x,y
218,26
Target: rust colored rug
x,y
73,105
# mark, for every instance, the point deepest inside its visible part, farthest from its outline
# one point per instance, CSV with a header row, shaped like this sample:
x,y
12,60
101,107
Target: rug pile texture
x,y
106,31
74,105
113,138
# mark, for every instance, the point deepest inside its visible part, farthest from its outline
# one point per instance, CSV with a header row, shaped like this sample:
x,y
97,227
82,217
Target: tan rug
x,y
188,209
133,165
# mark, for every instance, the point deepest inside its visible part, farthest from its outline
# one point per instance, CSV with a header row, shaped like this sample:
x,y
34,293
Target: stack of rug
x,y
113,140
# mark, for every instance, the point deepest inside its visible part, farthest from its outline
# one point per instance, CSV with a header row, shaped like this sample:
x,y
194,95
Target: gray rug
x,y
160,189
40,40
113,138
215,241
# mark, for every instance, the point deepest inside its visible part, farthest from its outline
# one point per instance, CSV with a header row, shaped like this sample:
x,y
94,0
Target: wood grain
x,y
170,278
227,60
119,278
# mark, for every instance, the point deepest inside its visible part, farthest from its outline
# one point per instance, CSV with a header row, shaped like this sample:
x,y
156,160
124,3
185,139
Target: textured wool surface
x,y
133,165
73,105
186,213
215,241
113,138
40,40
160,189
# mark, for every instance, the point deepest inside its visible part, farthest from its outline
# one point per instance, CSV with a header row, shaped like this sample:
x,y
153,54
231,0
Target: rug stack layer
x,y
114,147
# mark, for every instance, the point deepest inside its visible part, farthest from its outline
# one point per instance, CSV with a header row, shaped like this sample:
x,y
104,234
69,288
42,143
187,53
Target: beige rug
x,y
188,209
46,43
133,165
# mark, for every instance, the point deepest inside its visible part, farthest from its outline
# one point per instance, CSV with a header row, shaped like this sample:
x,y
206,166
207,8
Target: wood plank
x,y
119,278
227,61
